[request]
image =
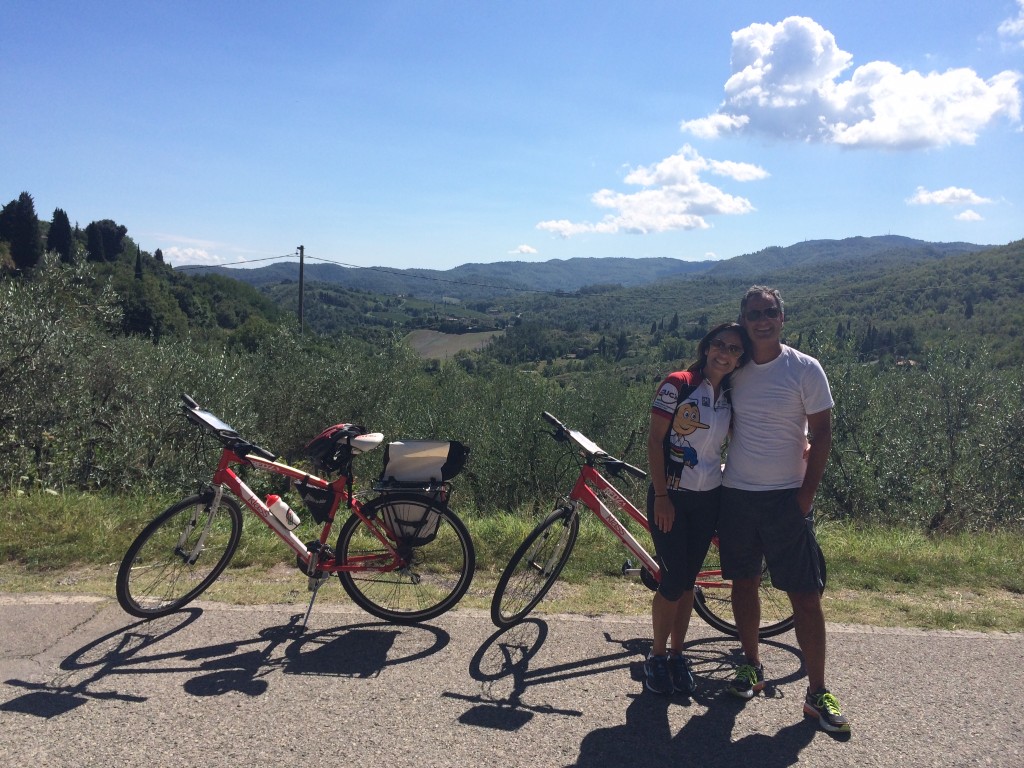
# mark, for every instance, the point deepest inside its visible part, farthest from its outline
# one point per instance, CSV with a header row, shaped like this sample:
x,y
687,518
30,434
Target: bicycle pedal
x,y
628,569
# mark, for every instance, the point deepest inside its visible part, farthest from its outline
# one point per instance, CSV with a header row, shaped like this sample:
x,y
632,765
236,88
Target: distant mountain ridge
x,y
480,281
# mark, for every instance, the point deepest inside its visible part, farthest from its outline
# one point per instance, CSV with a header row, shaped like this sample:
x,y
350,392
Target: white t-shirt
x,y
770,404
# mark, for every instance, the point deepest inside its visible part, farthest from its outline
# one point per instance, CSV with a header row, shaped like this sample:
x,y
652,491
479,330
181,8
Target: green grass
x,y
879,576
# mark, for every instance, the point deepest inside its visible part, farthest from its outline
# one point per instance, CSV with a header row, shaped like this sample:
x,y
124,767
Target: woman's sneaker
x,y
681,674
748,681
824,706
659,678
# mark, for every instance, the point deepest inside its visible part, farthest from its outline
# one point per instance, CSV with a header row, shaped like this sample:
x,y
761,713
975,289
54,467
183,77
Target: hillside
x,y
474,282
470,282
888,294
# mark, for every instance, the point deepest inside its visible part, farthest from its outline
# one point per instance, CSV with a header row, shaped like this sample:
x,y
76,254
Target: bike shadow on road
x,y
246,665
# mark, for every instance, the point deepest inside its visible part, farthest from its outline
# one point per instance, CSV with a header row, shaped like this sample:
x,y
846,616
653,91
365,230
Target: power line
x,y
384,270
235,263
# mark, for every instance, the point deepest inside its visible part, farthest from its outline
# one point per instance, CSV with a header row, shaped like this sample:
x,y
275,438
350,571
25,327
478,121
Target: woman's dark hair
x,y
705,345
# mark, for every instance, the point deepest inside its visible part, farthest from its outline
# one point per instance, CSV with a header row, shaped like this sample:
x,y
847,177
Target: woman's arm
x,y
664,512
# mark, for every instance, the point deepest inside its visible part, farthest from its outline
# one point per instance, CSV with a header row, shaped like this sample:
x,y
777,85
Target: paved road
x,y
81,684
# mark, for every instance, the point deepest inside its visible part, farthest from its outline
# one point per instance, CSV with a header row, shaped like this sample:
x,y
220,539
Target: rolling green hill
x,y
887,295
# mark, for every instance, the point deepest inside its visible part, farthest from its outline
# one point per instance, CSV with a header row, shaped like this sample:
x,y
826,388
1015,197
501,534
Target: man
x,y
781,401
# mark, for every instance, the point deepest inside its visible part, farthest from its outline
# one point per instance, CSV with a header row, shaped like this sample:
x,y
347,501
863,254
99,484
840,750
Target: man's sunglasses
x,y
753,315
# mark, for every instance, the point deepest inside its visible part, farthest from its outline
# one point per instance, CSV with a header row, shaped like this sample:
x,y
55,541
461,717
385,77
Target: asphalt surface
x,y
83,684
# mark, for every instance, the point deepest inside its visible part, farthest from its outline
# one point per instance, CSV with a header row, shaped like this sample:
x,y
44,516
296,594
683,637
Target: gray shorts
x,y
769,524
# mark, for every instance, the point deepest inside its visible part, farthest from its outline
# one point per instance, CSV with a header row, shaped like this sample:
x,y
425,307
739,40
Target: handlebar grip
x,y
552,420
635,471
189,401
616,466
262,452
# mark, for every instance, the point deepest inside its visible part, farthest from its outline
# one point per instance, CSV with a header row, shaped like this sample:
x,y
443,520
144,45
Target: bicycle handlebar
x,y
222,430
593,451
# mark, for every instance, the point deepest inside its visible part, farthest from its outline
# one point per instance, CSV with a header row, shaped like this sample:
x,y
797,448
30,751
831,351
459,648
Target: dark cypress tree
x,y
138,263
159,255
113,237
60,240
94,243
19,226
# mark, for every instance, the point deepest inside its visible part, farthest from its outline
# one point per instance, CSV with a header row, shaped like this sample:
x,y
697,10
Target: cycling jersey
x,y
699,426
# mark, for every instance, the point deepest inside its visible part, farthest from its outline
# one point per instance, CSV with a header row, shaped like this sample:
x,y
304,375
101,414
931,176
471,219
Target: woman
x,y
689,424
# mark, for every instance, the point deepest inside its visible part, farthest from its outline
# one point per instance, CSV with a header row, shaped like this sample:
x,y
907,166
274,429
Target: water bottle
x,y
279,508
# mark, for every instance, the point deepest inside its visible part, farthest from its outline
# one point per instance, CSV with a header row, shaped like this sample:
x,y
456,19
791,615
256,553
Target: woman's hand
x,y
664,513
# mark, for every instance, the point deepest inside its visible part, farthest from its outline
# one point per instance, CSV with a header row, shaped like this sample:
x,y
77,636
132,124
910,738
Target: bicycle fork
x,y
562,532
209,510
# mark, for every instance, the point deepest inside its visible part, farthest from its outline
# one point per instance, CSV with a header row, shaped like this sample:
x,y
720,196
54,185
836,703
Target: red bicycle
x,y
537,563
403,556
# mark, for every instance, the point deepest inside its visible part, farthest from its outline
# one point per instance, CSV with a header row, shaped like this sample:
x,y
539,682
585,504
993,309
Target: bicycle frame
x,y
583,492
225,476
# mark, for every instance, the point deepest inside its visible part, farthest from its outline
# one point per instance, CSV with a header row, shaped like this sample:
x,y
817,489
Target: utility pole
x,y
302,263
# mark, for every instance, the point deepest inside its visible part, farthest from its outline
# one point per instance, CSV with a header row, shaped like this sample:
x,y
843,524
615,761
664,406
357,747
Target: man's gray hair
x,y
761,290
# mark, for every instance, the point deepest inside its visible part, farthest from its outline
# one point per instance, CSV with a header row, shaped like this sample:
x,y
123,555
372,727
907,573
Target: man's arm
x,y
820,427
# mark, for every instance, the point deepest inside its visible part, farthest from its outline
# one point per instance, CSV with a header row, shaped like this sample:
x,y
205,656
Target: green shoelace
x,y
747,673
829,702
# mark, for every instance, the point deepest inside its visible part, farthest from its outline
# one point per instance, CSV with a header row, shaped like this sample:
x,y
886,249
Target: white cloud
x,y
785,83
524,249
968,215
947,196
1013,28
177,257
673,197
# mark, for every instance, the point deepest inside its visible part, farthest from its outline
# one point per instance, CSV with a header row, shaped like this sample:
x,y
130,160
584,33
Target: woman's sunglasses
x,y
721,346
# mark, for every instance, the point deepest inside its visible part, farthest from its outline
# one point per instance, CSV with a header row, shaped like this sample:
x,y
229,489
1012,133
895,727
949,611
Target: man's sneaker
x,y
681,674
659,679
748,681
824,706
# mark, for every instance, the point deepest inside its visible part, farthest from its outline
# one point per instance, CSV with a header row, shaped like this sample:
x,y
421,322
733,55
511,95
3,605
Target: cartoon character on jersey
x,y
685,422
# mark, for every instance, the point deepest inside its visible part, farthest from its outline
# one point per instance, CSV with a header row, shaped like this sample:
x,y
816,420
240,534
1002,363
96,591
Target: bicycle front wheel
x,y
712,600
178,555
436,564
534,567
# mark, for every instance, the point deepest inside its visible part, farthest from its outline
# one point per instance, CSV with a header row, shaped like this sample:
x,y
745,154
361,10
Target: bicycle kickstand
x,y
316,580
314,586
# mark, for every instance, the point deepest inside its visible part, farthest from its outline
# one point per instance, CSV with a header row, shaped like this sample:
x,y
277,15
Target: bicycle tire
x,y
436,575
178,555
534,567
714,604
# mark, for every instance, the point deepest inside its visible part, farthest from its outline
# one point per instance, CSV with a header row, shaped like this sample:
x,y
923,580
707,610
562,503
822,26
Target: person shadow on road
x,y
646,739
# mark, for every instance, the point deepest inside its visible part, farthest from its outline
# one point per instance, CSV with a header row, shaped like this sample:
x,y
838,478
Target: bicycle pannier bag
x,y
414,524
415,461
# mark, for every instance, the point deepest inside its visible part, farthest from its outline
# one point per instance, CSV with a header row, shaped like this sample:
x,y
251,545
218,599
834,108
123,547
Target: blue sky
x,y
432,134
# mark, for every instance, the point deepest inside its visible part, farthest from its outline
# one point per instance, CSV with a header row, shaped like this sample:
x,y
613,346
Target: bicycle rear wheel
x,y
534,567
434,574
178,555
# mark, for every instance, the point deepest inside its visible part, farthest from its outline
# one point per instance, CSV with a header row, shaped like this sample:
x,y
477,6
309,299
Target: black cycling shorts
x,y
681,551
